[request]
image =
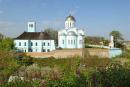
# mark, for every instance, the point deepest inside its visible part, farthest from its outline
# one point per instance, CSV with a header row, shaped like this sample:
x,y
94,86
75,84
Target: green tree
x,y
118,38
95,40
6,44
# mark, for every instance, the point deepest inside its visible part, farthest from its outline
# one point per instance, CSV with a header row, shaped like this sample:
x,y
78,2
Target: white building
x,y
111,44
32,41
70,37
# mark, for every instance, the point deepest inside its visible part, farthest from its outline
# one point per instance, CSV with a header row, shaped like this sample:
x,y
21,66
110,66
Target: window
x,y
19,43
36,43
71,41
43,50
31,44
25,44
48,44
31,25
44,44
74,41
62,41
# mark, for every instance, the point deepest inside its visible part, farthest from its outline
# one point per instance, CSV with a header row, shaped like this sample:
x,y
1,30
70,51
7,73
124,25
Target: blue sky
x,y
97,17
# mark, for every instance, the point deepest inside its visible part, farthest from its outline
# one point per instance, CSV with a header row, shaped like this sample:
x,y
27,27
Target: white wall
x,y
22,47
64,35
49,45
71,42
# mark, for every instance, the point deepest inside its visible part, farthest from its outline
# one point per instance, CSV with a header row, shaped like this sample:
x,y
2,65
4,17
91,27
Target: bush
x,y
114,75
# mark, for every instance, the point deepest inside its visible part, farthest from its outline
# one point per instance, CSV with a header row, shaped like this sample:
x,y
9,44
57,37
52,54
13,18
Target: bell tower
x,y
31,26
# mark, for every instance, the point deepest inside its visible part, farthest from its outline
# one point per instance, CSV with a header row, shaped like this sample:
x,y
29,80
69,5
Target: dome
x,y
62,34
71,33
80,34
70,18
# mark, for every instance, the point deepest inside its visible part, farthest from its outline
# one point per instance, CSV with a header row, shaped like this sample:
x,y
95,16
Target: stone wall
x,y
71,52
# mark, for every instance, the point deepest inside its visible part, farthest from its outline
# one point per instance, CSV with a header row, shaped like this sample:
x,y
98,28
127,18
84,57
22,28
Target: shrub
x,y
114,75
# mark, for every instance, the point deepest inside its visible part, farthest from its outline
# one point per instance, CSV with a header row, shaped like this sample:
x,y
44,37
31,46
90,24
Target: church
x,y
31,41
71,36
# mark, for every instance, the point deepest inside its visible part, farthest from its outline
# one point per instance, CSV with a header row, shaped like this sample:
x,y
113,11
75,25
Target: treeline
x,y
6,43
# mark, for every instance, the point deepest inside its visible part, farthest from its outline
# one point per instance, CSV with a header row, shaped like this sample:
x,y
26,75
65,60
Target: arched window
x,y
48,44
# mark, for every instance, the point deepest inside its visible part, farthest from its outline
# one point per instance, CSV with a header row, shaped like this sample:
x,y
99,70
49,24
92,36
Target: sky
x,y
96,17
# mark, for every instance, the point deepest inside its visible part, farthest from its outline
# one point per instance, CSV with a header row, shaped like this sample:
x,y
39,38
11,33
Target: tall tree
x,y
118,38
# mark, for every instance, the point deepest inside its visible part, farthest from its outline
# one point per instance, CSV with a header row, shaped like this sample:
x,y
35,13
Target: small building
x,y
70,36
32,41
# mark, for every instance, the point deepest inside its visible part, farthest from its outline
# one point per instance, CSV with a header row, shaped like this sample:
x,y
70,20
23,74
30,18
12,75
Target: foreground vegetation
x,y
70,72
8,65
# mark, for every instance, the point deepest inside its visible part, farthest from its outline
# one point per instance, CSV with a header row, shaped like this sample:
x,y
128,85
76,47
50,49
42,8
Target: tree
x,y
118,38
53,34
1,37
6,43
95,40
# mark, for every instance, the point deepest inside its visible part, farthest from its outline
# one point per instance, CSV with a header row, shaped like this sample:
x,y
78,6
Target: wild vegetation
x,y
89,71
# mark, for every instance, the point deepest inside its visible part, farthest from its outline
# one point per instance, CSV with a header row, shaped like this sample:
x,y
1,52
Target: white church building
x,y
32,41
71,36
